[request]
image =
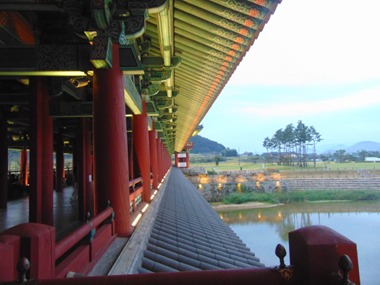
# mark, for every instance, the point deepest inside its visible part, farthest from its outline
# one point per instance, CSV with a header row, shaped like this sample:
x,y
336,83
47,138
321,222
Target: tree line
x,y
291,144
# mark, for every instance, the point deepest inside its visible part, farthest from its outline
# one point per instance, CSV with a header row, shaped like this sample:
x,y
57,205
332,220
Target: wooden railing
x,y
73,238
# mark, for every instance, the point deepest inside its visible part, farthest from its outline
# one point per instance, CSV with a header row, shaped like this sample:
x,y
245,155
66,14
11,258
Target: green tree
x,y
288,141
229,152
277,140
362,154
323,157
255,158
339,154
217,159
302,139
316,138
266,143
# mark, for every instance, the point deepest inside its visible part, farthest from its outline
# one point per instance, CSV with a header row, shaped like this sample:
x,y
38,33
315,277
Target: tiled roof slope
x,y
189,235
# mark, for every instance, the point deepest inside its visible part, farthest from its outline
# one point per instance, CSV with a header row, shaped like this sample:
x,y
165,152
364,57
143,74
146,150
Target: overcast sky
x,y
315,61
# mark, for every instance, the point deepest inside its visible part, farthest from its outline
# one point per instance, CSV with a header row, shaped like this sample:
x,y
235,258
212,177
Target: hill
x,y
334,148
366,145
204,145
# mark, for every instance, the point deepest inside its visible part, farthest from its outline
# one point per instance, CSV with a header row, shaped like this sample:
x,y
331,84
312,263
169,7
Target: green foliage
x,y
217,159
301,196
293,140
339,154
362,154
229,152
204,145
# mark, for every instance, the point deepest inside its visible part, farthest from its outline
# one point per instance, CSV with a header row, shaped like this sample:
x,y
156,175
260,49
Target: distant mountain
x,y
334,148
366,145
204,145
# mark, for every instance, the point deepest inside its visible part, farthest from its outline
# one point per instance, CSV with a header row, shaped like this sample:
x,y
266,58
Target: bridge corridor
x,y
185,234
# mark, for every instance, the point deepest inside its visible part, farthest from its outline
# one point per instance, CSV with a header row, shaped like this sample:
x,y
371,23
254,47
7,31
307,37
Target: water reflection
x,y
287,218
262,229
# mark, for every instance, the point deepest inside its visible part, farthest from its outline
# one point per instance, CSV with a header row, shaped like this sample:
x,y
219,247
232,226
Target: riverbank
x,y
245,206
300,196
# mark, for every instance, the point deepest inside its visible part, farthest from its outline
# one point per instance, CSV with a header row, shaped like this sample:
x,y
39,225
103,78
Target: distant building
x,y
372,159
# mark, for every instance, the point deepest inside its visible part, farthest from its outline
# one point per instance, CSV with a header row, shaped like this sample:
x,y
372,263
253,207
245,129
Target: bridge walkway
x,y
184,233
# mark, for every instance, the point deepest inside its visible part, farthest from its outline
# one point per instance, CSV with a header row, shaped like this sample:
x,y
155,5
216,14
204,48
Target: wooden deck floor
x,y
65,213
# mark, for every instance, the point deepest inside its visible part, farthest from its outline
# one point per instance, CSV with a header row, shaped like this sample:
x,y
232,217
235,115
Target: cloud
x,y
362,99
315,42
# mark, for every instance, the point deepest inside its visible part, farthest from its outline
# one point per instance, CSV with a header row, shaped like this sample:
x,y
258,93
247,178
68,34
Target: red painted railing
x,y
138,191
257,276
69,241
135,181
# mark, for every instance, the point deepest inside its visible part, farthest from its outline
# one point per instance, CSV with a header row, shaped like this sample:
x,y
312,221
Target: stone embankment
x,y
365,173
302,184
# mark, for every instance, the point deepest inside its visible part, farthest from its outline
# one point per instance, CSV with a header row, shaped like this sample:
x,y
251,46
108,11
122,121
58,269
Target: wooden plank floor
x,y
65,213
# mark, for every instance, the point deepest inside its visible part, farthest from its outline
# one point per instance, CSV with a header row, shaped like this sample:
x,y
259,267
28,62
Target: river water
x,y
262,229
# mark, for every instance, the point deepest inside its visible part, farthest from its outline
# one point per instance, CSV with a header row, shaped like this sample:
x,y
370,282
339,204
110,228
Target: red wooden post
x,y
315,251
59,164
41,154
8,269
162,165
88,166
159,166
35,188
37,245
85,196
153,155
176,158
110,143
24,167
141,141
3,161
187,159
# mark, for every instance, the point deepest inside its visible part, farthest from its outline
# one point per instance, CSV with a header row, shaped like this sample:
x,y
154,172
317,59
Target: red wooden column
x,y
153,155
176,159
159,159
84,160
187,159
59,164
110,143
41,154
24,167
162,159
3,161
165,159
141,141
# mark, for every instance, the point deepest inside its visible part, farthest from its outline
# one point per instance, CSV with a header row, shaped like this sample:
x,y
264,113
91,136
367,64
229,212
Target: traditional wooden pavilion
x,y
116,79
121,84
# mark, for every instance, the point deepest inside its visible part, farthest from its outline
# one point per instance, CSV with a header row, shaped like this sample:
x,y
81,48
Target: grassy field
x,y
301,196
232,163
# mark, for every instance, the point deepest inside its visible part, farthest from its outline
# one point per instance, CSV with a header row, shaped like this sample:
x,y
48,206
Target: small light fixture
x,y
79,82
136,220
151,197
155,192
145,207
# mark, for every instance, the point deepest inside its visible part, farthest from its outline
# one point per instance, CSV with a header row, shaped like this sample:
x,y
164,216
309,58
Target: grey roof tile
x,y
189,235
143,270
